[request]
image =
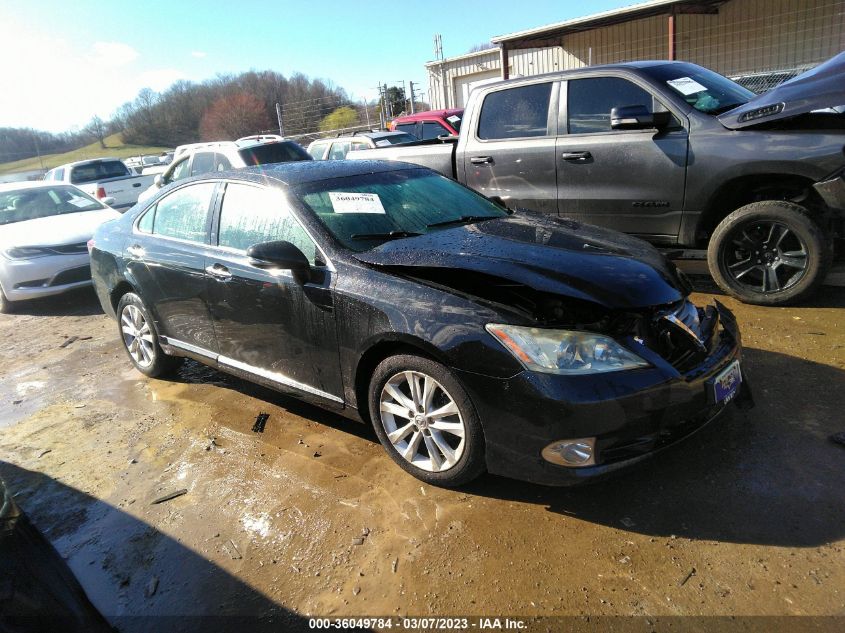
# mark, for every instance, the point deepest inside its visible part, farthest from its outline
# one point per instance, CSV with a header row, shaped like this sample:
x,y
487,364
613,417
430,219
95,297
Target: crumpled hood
x,y
817,89
547,254
55,230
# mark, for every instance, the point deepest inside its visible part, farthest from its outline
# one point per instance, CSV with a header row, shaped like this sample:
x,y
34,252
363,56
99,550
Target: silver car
x,y
44,231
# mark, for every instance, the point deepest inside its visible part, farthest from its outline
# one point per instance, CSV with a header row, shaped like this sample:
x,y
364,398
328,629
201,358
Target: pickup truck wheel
x,y
769,253
425,420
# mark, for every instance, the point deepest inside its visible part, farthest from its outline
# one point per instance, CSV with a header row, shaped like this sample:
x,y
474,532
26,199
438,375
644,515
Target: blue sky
x,y
64,62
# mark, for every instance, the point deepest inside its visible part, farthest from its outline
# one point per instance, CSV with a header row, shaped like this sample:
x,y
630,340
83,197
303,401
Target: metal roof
x,y
614,16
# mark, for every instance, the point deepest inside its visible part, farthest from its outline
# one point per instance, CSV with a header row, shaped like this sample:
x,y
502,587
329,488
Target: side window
x,y
251,215
410,128
145,224
433,130
203,163
515,112
59,174
179,171
339,150
222,162
359,145
184,213
590,101
318,151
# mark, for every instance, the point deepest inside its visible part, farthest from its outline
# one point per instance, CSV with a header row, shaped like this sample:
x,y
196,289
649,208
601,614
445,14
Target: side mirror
x,y
158,181
108,201
279,254
637,117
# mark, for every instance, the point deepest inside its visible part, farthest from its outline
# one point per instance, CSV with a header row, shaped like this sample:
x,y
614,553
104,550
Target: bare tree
x,y
97,128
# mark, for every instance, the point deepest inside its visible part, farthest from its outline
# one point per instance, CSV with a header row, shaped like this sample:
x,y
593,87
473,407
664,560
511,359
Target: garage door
x,y
465,84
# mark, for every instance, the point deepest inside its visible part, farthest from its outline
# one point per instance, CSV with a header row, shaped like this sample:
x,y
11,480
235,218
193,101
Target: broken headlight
x,y
565,351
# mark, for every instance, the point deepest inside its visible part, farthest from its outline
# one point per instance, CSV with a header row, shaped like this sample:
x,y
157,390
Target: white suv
x,y
201,158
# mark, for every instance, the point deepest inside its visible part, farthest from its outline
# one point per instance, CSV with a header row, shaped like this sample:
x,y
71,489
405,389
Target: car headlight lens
x,y
566,352
26,252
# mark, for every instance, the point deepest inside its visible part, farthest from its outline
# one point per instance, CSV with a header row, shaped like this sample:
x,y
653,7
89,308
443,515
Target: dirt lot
x,y
311,517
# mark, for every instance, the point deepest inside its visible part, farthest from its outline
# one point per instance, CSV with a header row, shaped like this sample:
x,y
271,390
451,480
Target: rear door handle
x,y
481,160
576,156
137,251
219,271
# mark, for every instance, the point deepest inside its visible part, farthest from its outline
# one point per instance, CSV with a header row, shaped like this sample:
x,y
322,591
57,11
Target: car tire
x,y
769,253
140,338
5,305
441,441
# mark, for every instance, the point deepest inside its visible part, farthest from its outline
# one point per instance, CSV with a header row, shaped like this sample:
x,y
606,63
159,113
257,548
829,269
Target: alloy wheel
x,y
422,421
137,336
765,256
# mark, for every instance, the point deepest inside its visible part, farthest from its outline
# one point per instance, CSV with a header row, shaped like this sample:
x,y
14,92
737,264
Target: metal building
x,y
758,42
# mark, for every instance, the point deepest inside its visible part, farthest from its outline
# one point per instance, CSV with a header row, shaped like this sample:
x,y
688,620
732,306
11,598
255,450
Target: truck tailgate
x,y
125,191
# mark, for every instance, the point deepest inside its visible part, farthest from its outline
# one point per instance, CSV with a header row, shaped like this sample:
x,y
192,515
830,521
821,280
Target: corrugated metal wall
x,y
746,36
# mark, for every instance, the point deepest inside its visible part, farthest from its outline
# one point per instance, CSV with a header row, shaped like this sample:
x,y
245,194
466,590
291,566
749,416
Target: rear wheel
x,y
425,420
769,253
140,339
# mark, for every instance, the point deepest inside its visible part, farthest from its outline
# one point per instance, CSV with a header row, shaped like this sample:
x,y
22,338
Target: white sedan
x,y
44,231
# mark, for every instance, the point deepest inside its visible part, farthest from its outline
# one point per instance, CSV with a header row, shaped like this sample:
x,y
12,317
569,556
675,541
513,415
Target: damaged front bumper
x,y
631,414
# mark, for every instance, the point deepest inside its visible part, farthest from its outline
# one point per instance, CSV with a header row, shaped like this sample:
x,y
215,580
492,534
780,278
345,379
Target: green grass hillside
x,y
115,147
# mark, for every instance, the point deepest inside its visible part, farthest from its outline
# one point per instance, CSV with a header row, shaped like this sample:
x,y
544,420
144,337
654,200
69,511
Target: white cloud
x,y
198,54
112,54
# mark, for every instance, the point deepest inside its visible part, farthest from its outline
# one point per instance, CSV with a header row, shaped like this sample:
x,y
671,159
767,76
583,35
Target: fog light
x,y
574,453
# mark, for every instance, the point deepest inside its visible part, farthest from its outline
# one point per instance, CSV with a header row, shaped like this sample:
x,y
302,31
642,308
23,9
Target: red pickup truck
x,y
431,124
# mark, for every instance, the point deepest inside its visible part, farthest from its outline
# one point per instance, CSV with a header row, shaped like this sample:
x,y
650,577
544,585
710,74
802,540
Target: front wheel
x,y
5,304
425,420
140,339
769,253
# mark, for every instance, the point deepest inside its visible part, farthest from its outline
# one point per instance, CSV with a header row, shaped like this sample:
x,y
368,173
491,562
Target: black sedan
x,y
472,337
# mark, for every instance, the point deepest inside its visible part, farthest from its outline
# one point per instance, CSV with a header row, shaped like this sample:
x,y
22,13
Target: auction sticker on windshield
x,y
726,384
686,85
356,202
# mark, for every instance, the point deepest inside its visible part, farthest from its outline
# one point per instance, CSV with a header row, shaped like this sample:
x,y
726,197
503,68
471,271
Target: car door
x,y
628,180
166,262
270,325
510,153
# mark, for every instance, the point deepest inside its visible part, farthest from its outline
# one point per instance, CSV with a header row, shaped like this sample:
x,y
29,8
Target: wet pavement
x,y
311,517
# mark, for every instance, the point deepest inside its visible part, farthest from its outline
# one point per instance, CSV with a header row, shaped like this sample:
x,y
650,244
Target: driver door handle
x,y
576,156
481,160
219,271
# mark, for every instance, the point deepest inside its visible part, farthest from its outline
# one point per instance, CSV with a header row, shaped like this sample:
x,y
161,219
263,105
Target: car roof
x,y
347,137
429,114
299,172
90,161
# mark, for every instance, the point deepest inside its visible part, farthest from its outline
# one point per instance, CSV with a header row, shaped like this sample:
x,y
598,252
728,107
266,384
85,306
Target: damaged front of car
x,y
578,346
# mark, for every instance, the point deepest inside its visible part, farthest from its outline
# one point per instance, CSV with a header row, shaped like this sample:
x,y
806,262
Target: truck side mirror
x,y
637,117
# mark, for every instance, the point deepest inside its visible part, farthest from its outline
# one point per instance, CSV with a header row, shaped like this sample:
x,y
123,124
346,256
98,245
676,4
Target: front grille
x,y
72,276
684,335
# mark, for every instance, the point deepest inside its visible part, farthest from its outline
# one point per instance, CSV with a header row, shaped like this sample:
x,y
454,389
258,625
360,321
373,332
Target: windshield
x,y
703,89
273,153
369,209
20,205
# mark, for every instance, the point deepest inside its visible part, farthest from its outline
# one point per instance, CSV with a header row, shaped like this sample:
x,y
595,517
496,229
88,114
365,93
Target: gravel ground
x,y
311,517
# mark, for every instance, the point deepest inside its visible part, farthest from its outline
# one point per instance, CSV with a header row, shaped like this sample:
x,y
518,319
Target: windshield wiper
x,y
464,219
393,235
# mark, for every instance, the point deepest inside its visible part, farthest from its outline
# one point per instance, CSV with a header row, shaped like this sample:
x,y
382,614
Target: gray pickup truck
x,y
672,152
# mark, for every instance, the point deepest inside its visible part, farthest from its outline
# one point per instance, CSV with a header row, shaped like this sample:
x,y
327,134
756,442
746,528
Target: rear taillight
x,y
90,245
101,192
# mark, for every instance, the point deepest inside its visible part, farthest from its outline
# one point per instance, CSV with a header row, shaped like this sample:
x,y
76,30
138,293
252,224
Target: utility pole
x,y
279,116
367,112
38,149
411,84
